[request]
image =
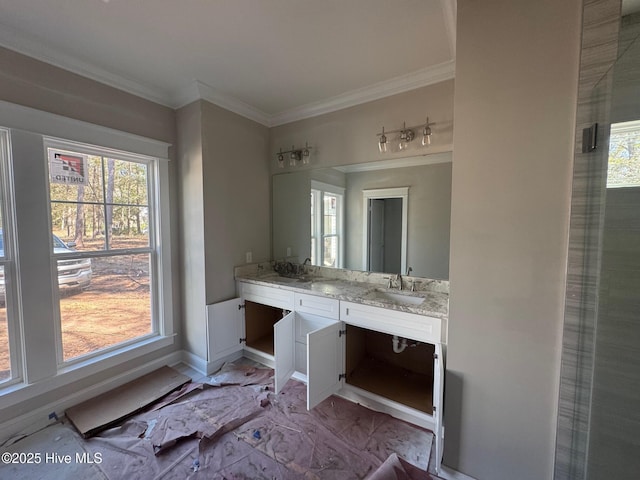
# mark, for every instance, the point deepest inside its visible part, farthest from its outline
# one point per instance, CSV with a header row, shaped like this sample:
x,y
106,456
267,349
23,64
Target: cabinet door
x,y
225,328
438,402
284,350
325,362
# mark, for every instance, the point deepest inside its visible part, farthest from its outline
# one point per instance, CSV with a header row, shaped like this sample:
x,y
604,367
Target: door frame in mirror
x,y
382,193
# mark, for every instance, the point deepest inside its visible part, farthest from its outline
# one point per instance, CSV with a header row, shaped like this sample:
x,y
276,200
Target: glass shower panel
x,y
614,426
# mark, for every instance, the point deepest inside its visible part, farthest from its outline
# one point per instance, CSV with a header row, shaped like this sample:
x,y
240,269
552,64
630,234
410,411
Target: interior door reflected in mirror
x,y
323,214
385,248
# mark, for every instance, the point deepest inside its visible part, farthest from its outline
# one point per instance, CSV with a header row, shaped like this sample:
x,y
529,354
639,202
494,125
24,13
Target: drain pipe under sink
x,y
399,344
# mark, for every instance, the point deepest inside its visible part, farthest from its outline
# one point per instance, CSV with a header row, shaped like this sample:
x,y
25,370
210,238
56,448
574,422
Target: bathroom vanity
x,y
377,346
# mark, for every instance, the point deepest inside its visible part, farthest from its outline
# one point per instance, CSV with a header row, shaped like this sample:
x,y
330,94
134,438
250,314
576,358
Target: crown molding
x,y
41,50
201,91
403,83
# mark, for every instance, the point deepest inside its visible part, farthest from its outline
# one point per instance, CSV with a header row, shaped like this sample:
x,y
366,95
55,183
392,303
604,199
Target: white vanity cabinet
x,y
334,342
411,389
246,323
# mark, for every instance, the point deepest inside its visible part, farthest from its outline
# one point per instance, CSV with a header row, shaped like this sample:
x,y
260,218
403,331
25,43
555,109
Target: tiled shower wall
x,y
601,23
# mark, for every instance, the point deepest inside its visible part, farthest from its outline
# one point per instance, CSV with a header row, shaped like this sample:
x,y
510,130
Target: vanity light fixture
x,y
407,134
295,155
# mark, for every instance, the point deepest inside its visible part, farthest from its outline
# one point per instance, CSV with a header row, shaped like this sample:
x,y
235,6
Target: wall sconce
x,y
295,155
407,134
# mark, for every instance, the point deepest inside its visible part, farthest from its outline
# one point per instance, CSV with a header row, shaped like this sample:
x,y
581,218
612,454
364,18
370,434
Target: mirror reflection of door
x,y
385,235
385,227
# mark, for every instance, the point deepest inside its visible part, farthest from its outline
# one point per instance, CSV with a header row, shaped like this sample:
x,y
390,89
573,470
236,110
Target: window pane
x,y
5,363
330,252
98,203
624,155
65,188
130,227
80,224
330,214
129,182
103,302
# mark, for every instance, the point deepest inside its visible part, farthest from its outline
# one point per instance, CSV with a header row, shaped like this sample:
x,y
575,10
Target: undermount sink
x,y
402,298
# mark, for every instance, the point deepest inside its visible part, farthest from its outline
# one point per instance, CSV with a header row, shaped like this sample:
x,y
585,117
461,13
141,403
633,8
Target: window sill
x,y
20,392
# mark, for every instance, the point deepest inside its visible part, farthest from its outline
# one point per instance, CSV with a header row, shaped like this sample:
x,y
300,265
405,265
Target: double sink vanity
x,y
375,339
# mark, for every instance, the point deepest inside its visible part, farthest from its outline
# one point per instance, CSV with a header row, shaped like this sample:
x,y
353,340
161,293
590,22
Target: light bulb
x,y
403,140
382,144
426,137
426,134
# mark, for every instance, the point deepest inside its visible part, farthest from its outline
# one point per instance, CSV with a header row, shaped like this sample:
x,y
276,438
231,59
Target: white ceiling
x,y
270,60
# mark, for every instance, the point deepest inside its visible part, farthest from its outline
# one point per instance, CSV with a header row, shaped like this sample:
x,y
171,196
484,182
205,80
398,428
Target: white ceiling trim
x,y
14,40
200,90
404,83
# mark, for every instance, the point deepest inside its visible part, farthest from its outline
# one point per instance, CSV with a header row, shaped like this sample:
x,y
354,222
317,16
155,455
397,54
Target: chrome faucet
x,y
306,260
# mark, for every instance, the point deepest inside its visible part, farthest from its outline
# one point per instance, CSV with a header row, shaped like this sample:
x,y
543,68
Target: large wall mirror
x,y
386,216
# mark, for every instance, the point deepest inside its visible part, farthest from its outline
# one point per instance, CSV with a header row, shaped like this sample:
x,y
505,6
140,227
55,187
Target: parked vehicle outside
x,y
72,273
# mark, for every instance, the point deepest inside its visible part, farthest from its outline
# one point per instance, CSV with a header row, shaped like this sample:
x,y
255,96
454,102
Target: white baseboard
x,y
204,367
199,364
38,419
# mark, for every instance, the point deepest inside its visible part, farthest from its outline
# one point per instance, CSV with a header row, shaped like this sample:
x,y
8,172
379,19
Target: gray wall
x,y
428,215
224,205
28,82
349,136
515,102
192,240
236,196
291,217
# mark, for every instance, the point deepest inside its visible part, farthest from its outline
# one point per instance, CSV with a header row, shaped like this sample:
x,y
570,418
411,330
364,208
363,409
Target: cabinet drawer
x,y
393,322
276,297
327,307
306,322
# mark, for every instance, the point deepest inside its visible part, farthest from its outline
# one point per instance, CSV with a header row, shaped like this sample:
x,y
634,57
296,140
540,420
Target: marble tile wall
x,y
601,23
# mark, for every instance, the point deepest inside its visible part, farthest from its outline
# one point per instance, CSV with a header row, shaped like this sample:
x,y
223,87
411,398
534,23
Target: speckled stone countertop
x,y
430,298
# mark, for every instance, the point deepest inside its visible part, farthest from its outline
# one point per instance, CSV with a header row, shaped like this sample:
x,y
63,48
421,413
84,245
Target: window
x,y
326,225
103,218
8,344
624,155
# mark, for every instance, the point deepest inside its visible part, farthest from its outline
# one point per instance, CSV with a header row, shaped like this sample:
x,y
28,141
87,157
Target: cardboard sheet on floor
x,y
106,410
395,468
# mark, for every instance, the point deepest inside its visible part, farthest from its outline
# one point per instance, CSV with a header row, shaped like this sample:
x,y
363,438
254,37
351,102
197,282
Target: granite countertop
x,y
424,302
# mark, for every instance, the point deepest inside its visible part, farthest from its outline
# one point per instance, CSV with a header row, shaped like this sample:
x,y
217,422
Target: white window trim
x,y
322,188
397,192
12,311
35,122
56,126
159,325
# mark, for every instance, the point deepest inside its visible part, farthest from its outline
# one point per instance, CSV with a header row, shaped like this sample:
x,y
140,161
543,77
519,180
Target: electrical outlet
x,y
288,251
249,257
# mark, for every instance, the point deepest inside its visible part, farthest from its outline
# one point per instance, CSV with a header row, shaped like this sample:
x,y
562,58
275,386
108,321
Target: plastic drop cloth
x,y
249,432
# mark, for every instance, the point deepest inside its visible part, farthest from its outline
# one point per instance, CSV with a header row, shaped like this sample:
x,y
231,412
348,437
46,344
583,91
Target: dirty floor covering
x,y
238,429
